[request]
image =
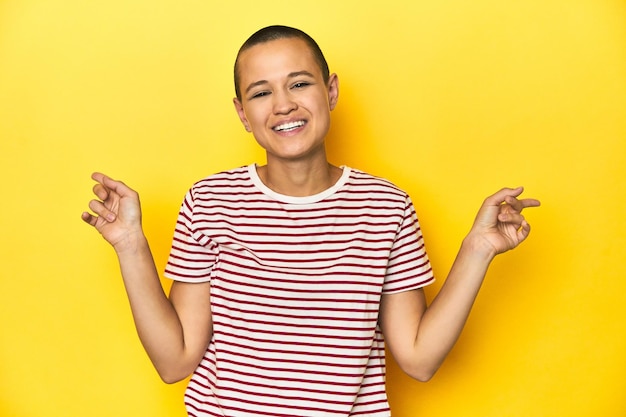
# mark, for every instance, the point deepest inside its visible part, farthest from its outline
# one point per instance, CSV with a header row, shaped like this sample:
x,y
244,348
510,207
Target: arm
x,y
173,331
420,336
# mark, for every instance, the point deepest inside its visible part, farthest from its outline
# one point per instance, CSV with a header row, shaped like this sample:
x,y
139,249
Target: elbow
x,y
423,376
172,376
177,369
421,365
170,379
421,372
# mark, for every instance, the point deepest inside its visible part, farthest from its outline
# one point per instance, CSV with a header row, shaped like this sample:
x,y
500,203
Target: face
x,y
285,102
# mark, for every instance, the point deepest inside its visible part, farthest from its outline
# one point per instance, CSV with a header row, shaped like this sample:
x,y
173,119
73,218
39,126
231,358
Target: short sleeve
x,y
408,267
193,254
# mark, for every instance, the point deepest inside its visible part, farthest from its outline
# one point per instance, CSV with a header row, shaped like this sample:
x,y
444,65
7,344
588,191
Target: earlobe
x,y
241,113
333,90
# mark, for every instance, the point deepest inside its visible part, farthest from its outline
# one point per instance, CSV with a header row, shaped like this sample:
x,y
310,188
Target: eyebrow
x,y
291,75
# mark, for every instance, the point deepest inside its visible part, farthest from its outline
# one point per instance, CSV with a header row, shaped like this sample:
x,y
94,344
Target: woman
x,y
288,277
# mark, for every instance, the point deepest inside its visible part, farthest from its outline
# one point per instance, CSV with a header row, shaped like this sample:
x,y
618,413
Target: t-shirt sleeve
x,y
193,254
408,267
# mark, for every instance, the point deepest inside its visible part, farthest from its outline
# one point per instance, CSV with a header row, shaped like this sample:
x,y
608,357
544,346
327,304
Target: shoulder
x,y
364,182
225,184
232,176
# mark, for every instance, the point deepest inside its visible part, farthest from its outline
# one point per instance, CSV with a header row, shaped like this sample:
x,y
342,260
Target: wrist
x,y
131,243
478,246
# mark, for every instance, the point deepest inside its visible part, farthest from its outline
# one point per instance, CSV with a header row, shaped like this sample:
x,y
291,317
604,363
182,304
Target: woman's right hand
x,y
117,212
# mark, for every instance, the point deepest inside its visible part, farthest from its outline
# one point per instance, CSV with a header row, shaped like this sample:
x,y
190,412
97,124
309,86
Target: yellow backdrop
x,y
450,99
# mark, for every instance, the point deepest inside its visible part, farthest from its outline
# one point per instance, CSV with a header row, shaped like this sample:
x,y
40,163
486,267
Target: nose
x,y
284,102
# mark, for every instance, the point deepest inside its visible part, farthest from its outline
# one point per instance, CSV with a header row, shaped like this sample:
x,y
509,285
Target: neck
x,y
299,178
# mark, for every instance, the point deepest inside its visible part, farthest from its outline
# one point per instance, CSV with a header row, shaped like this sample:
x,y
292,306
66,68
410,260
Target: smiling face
x,y
284,101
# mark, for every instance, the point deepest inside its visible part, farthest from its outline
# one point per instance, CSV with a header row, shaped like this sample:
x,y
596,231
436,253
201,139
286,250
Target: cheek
x,y
254,118
322,109
323,103
260,111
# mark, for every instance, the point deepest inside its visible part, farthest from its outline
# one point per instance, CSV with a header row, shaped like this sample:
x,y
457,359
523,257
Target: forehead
x,y
275,59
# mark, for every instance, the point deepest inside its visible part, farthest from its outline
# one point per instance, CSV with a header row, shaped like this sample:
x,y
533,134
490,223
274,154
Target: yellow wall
x,y
450,99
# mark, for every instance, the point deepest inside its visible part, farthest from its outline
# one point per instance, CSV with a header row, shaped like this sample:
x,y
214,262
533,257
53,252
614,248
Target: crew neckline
x,y
315,198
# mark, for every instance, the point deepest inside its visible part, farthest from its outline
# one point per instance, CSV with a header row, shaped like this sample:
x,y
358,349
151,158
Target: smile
x,y
285,127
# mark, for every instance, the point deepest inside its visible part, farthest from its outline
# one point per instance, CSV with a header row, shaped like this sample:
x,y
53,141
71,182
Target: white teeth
x,y
289,126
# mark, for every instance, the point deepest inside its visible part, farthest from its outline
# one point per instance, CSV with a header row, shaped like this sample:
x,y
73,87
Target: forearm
x,y
420,337
157,323
443,321
175,331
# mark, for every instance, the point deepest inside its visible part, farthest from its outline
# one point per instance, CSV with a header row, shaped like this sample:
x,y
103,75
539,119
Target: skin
x,y
281,84
174,331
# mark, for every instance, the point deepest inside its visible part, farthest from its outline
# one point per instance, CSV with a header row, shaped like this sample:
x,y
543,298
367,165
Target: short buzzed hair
x,y
275,32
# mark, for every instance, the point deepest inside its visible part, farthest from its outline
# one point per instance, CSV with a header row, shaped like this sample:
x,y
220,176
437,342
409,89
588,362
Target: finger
x,y
509,196
106,181
519,205
98,177
530,202
523,231
116,186
100,191
100,209
512,217
107,185
88,218
501,196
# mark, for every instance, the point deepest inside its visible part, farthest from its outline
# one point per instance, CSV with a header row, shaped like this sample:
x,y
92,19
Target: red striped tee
x,y
295,290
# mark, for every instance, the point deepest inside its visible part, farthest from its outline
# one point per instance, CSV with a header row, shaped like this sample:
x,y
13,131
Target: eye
x,y
259,94
300,85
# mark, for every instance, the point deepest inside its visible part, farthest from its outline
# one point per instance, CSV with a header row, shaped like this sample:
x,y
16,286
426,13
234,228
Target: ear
x,y
242,114
333,90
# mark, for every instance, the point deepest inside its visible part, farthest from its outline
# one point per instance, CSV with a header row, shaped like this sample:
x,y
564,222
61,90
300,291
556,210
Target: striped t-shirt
x,y
296,284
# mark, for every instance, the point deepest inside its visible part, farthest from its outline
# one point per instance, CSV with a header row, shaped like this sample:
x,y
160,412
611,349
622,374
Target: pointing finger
x,y
501,196
520,204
